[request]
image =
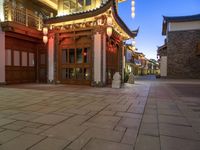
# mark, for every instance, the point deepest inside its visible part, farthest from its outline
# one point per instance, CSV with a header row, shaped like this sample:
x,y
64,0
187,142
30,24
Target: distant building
x,y
180,55
153,67
129,58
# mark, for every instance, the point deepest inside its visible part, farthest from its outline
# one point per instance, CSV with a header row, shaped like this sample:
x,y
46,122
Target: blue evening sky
x,y
149,18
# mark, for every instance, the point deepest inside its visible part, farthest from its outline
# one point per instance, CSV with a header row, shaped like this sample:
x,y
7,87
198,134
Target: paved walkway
x,y
150,115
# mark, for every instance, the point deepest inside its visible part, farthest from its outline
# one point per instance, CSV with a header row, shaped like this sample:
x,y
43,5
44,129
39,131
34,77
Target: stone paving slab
x,y
178,131
105,134
145,142
171,143
97,144
8,135
50,144
150,115
22,142
50,119
4,121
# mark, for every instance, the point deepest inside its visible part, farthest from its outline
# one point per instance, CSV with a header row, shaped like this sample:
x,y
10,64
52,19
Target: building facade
x,y
179,57
66,41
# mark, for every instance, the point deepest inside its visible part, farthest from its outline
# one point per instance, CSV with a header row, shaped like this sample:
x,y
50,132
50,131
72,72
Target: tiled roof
x,y
94,12
182,18
166,20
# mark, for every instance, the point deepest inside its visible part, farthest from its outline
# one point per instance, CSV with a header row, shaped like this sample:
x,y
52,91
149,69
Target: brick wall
x,y
182,59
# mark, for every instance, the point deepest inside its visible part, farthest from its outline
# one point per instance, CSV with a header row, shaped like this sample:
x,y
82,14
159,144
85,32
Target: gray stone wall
x,y
182,59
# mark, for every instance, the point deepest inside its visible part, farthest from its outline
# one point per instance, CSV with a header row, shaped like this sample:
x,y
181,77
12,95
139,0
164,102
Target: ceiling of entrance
x,y
51,3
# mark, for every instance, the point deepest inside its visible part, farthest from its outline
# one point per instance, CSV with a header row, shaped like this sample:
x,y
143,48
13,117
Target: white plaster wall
x,y
104,58
97,57
181,26
163,66
2,56
51,59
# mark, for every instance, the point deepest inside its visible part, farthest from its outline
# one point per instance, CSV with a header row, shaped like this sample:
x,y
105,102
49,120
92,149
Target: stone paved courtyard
x,y
150,115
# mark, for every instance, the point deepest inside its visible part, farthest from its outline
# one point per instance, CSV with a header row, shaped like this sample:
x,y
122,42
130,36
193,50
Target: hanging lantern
x,y
109,21
109,31
133,3
45,39
45,31
133,14
133,8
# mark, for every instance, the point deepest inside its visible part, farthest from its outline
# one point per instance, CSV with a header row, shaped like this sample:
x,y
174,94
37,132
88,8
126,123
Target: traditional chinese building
x,y
180,55
83,41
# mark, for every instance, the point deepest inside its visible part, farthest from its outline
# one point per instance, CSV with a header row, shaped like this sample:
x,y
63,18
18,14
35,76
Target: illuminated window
x,y
79,57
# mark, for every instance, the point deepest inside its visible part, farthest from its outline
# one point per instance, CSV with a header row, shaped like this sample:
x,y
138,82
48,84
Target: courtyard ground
x,y
149,115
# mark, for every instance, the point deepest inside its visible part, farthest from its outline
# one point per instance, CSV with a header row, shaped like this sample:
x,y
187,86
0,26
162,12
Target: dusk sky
x,y
149,18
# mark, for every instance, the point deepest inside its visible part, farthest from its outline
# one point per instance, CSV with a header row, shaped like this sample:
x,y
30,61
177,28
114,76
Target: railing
x,y
22,16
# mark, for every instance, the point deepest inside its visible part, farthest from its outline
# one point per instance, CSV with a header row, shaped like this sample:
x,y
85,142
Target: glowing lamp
x,y
133,14
133,3
109,31
45,39
132,9
45,30
109,21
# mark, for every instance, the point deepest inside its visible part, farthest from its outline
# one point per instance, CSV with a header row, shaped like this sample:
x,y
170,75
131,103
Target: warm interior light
x,y
109,31
45,30
45,39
